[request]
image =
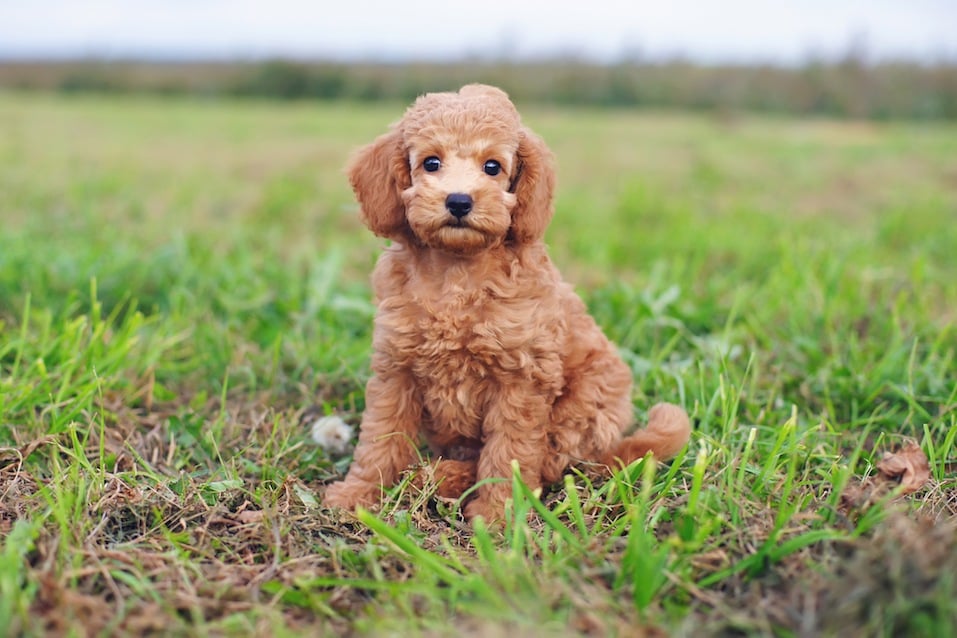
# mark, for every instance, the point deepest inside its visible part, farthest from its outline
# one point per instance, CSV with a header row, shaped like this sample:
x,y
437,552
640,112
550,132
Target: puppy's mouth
x,y
456,222
460,228
458,236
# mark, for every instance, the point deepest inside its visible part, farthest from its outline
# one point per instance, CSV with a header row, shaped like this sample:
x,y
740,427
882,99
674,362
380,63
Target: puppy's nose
x,y
459,204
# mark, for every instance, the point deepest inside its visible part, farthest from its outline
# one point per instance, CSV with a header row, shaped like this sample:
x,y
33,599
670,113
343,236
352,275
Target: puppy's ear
x,y
379,173
533,185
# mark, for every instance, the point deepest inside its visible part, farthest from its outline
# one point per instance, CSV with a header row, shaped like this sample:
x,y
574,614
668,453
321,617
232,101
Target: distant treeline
x,y
845,88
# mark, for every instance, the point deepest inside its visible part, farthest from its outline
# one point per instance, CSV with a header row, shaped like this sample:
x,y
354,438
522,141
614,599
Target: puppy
x,y
479,347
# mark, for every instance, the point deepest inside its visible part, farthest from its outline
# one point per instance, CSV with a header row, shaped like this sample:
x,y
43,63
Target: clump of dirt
x,y
900,578
906,573
897,578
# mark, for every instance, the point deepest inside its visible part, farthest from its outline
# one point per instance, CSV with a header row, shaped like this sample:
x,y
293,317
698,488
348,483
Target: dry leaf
x,y
908,466
906,470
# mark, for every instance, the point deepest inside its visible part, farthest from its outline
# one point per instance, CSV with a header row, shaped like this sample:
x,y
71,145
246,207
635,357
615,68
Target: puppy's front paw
x,y
492,512
454,477
350,494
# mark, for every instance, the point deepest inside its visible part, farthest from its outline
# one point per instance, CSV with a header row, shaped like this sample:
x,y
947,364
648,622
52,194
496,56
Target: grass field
x,y
181,282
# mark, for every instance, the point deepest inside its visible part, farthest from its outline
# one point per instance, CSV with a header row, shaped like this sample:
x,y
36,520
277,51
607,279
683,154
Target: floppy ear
x,y
533,185
379,172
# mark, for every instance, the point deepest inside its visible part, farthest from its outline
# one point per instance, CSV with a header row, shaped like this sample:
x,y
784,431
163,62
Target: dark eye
x,y
432,164
492,168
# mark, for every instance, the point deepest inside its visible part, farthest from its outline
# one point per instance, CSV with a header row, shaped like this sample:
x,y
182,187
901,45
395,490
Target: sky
x,y
777,31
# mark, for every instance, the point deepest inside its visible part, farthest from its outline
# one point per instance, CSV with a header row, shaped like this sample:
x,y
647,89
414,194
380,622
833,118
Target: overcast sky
x,y
715,31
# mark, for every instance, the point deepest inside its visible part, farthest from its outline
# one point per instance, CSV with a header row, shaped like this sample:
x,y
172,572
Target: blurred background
x,y
856,59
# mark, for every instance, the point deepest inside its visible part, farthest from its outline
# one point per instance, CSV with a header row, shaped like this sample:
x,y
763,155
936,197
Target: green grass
x,y
182,282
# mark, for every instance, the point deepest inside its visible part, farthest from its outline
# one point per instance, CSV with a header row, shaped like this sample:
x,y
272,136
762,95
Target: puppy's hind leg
x,y
588,419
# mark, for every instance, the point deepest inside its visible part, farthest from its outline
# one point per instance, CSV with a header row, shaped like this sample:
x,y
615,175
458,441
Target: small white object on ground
x,y
332,434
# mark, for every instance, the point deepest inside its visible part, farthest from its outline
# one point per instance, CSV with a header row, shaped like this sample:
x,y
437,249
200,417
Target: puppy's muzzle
x,y
459,204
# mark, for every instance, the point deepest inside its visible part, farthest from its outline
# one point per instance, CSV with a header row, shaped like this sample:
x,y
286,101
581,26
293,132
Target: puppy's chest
x,y
461,336
461,347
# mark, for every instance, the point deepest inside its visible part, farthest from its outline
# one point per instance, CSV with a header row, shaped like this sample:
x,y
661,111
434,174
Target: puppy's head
x,y
458,173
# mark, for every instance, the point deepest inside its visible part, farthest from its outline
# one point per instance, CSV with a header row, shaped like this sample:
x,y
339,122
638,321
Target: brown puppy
x,y
479,346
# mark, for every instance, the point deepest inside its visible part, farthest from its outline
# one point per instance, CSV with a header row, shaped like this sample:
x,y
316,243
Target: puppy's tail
x,y
667,432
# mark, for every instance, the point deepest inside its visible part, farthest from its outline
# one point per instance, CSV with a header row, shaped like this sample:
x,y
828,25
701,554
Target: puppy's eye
x,y
432,164
492,168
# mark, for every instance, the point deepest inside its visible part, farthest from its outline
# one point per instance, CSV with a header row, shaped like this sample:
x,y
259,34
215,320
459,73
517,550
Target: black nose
x,y
459,204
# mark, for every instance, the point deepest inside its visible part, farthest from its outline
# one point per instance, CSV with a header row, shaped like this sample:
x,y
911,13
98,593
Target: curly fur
x,y
479,346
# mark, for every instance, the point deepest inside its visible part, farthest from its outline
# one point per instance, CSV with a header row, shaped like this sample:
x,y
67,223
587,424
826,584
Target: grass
x,y
183,282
